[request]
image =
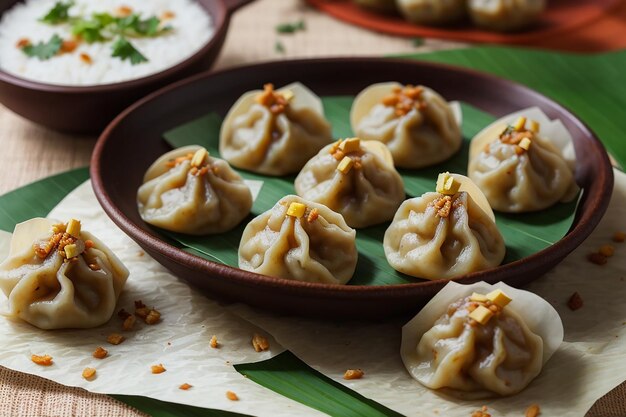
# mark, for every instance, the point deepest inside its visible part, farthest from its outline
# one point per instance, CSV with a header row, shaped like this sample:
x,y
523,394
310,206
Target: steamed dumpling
x,y
274,132
432,12
299,240
520,170
59,276
481,341
444,234
188,191
355,178
418,126
505,15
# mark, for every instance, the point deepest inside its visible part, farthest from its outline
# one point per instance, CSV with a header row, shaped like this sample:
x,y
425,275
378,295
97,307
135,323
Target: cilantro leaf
x,y
134,25
290,27
58,14
124,50
44,51
89,30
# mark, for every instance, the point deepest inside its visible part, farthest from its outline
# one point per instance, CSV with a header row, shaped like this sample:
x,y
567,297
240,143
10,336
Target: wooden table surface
x,y
30,152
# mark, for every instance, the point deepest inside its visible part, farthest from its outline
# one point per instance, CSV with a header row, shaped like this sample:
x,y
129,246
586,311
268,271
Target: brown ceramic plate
x,y
135,139
89,109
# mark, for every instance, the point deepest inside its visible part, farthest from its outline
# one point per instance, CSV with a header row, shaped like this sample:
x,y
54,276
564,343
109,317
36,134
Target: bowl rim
x,y
219,21
598,196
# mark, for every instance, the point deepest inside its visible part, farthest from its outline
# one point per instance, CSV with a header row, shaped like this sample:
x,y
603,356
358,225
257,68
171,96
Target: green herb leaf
x,y
291,27
58,14
133,25
89,30
124,50
279,47
44,51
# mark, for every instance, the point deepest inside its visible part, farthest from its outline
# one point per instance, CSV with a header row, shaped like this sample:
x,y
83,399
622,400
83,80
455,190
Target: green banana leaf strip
x,y
524,234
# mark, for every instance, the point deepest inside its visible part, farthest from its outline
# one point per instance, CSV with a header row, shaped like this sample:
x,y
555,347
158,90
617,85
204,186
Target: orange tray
x,y
571,25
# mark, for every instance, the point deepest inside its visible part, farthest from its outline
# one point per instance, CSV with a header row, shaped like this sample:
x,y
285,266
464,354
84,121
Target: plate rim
x,y
598,198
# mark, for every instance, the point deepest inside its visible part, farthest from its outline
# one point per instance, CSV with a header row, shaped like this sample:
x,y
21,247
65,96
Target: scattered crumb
x,y
86,58
353,374
482,412
606,250
100,353
213,343
45,360
185,386
141,253
115,338
153,317
260,343
597,258
129,323
89,373
232,396
575,301
158,369
139,304
123,314
532,411
619,237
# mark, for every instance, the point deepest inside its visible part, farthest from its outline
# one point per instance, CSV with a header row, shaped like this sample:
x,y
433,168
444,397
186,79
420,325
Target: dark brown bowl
x,y
118,165
89,109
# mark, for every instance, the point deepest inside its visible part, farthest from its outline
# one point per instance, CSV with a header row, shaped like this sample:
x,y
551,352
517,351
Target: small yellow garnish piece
x,y
480,298
287,95
73,228
350,145
71,250
520,124
198,157
499,298
525,144
296,210
345,165
535,126
446,184
89,373
482,315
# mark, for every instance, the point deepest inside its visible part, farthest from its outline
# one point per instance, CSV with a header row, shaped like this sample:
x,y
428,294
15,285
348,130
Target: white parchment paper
x,y
180,342
590,362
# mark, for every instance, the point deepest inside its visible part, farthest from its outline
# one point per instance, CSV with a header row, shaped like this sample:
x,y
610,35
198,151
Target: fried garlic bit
x,y
519,135
447,184
89,373
100,353
158,369
232,396
260,343
115,338
214,343
483,307
185,386
353,374
404,99
43,360
65,239
275,101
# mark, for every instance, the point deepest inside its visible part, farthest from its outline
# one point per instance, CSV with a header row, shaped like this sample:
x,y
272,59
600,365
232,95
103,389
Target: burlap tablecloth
x,y
30,152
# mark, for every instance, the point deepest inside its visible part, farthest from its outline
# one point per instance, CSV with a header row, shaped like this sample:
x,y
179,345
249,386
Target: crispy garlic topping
x,y
65,239
447,185
275,101
345,165
519,135
483,307
198,158
200,162
296,210
405,99
350,145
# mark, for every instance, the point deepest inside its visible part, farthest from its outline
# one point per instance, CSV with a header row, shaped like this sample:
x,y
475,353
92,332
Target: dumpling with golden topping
x,y
521,169
505,15
432,12
299,240
480,340
58,276
419,127
355,178
274,132
188,191
444,234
